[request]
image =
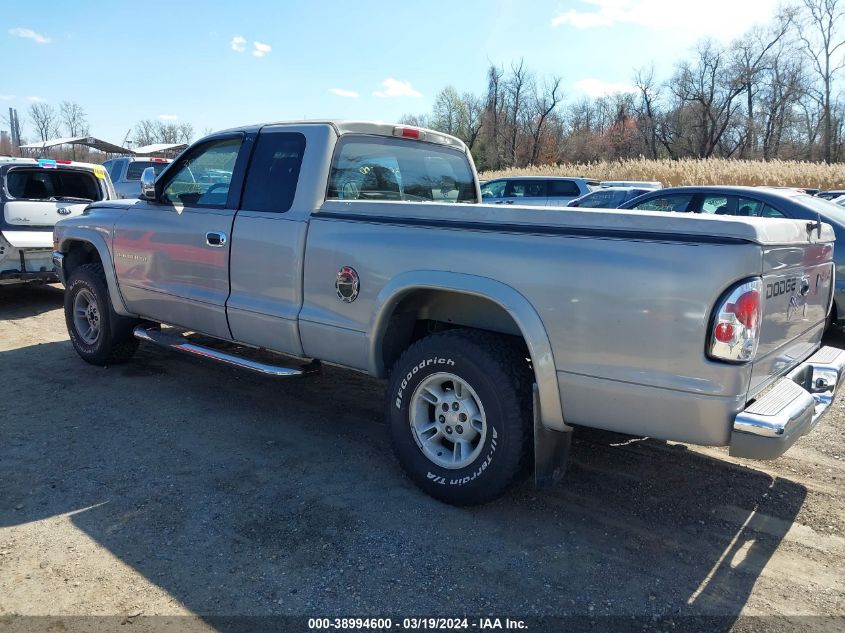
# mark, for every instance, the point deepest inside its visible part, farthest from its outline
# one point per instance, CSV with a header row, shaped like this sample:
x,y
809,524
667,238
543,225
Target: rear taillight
x,y
735,330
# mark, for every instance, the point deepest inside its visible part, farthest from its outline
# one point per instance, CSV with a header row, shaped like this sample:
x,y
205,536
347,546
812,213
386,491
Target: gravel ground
x,y
169,486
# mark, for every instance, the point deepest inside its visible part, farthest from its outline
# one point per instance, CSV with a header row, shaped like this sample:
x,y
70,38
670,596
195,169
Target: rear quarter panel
x,y
619,313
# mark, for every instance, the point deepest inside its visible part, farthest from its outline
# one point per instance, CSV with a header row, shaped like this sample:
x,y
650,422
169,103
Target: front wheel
x,y
98,334
459,413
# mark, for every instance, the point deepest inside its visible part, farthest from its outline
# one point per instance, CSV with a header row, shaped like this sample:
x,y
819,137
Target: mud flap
x,y
551,449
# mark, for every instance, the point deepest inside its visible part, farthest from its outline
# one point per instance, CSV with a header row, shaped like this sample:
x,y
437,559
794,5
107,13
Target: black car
x,y
762,202
832,194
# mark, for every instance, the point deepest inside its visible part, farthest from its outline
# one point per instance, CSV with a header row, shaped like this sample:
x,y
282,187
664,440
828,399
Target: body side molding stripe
x,y
535,229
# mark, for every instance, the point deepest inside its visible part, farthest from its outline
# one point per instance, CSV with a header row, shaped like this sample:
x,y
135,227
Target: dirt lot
x,y
168,486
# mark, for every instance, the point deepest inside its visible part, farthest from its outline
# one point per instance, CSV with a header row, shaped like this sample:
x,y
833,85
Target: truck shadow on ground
x,y
25,300
242,496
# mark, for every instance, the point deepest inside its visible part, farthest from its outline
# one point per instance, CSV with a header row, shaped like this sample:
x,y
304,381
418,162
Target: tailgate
x,y
796,297
34,213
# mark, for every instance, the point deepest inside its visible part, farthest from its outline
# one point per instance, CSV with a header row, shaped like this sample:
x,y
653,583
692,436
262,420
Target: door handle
x,y
216,239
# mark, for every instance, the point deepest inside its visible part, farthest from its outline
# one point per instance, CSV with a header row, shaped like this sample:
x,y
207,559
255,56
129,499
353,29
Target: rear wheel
x,y
459,411
98,334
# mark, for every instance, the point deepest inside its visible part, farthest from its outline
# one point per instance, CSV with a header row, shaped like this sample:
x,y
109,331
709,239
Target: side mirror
x,y
148,184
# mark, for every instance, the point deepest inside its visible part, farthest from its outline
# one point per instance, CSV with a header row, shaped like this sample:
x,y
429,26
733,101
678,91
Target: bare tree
x,y
543,105
823,37
752,56
517,87
145,133
73,118
44,119
186,132
647,111
75,121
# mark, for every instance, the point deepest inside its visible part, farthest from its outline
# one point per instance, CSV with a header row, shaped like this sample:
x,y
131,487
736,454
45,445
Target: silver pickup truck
x,y
499,328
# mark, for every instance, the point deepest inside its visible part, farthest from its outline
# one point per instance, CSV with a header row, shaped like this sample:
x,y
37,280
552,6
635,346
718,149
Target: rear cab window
x,y
137,167
392,169
57,184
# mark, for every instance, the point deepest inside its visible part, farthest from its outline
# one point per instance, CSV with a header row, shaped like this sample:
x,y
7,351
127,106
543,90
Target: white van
x,y
34,195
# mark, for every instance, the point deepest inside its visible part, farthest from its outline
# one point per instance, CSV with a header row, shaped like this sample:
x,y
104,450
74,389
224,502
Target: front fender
x,y
99,238
517,306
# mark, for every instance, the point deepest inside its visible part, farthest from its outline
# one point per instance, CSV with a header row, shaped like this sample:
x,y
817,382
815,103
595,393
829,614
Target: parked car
x,y
34,194
536,191
642,184
830,195
126,173
766,202
608,197
497,327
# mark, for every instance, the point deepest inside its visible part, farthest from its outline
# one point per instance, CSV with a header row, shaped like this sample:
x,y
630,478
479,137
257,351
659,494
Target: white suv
x,y
536,191
34,195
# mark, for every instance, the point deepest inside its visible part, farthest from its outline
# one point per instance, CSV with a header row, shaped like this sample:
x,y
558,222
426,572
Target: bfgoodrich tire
x,y
98,334
459,413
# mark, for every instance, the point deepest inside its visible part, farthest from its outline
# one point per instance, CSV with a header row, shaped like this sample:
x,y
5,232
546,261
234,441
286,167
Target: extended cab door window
x,y
274,172
202,178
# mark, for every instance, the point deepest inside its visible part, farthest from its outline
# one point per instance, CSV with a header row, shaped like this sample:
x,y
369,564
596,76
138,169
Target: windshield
x,y
136,168
381,168
52,184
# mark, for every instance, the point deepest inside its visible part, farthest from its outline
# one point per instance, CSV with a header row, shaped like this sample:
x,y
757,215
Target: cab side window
x,y
563,189
202,178
273,172
493,189
525,189
718,205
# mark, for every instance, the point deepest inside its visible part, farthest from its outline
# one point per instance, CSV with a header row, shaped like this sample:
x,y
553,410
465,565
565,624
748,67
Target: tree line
x,y
69,119
774,93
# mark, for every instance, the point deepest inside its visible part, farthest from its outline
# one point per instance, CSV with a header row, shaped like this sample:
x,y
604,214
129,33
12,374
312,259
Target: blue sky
x,y
221,64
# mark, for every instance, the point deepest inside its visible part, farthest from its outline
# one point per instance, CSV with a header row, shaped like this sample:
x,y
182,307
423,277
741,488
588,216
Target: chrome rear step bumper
x,y
181,344
790,408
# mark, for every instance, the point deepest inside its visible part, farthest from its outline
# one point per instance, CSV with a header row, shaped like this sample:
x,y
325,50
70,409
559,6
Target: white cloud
x,y
340,92
168,117
238,44
30,35
36,99
260,50
599,88
7,97
724,19
395,88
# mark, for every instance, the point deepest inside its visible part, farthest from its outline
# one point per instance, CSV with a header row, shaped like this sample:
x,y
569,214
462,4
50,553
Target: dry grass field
x,y
687,171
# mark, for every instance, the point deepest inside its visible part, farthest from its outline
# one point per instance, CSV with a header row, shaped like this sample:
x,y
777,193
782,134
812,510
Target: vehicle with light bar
x,y
125,173
34,195
497,328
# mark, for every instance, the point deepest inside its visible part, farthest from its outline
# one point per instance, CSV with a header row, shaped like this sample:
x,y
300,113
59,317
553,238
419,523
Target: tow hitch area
x,y
790,408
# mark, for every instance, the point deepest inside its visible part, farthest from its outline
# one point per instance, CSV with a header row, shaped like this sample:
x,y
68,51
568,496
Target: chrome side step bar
x,y
181,344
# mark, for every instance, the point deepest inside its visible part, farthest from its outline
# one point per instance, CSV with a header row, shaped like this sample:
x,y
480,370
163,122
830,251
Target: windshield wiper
x,y
70,199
